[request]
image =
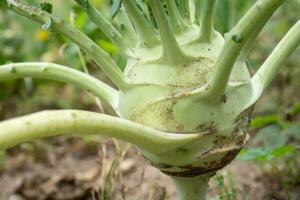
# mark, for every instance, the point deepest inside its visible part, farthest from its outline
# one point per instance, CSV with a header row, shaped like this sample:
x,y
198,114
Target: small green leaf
x,y
271,136
263,120
115,8
46,7
108,46
294,110
280,151
265,153
254,154
294,131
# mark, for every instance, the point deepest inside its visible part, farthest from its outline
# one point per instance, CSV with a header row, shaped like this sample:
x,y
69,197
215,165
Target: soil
x,y
75,169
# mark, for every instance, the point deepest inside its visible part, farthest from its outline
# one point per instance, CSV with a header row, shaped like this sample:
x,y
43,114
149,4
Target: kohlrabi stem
x,y
101,58
60,73
235,41
206,20
177,23
172,53
105,26
283,50
53,123
191,188
144,29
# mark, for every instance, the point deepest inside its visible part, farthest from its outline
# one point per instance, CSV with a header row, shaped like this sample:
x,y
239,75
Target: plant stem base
x,y
191,188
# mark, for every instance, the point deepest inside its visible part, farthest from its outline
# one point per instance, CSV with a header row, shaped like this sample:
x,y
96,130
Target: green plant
x,y
185,97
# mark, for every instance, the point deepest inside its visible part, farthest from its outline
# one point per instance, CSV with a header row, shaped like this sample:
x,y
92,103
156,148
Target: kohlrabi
x,y
185,97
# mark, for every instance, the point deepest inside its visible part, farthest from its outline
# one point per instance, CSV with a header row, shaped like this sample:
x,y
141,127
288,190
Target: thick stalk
x,y
60,73
280,54
177,23
105,26
100,57
145,31
172,53
191,188
235,41
206,20
53,123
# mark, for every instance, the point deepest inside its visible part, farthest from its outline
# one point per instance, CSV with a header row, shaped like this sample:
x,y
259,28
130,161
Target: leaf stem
x,y
206,20
127,27
235,41
177,23
105,26
172,53
53,123
183,6
145,30
280,54
101,58
60,73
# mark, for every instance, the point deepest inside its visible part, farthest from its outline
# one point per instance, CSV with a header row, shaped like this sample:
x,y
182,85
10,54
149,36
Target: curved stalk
x,y
177,23
191,188
172,53
235,41
206,20
100,57
145,31
60,73
53,123
280,54
105,26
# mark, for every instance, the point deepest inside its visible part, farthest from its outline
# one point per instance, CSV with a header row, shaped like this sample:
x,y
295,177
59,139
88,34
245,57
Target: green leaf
x,y
115,8
280,151
263,120
271,136
108,46
294,110
265,153
46,7
254,154
294,131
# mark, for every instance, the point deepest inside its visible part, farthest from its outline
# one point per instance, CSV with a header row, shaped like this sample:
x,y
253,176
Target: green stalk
x,y
206,20
172,53
191,188
145,30
53,123
280,54
198,11
105,26
183,6
177,23
127,26
235,41
60,73
100,57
